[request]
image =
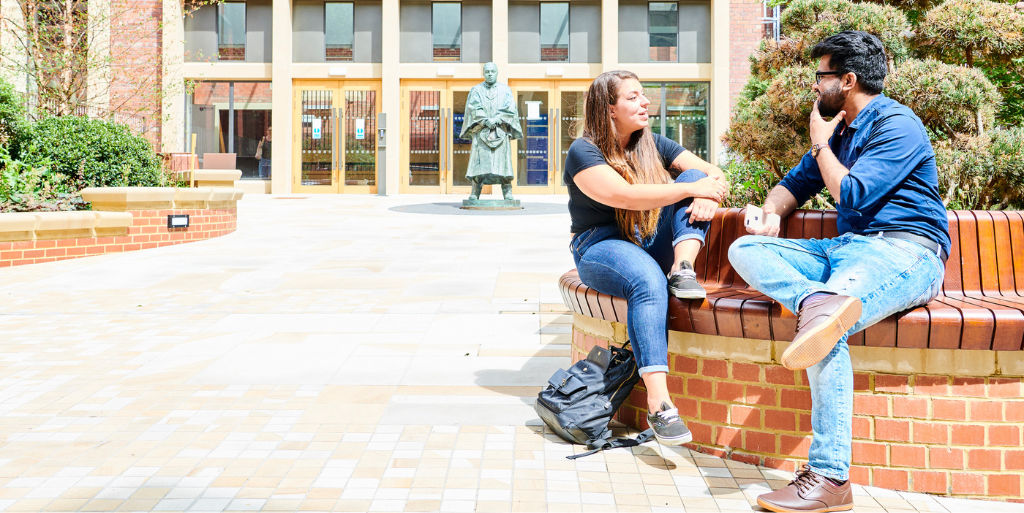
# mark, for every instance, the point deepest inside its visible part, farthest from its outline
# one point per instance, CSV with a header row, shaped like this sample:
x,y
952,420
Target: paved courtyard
x,y
334,354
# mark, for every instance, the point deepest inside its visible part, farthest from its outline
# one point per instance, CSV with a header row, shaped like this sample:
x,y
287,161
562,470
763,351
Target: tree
x,y
96,58
941,58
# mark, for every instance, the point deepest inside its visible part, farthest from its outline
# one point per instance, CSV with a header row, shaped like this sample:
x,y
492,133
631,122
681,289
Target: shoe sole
x,y
685,439
771,507
688,294
809,348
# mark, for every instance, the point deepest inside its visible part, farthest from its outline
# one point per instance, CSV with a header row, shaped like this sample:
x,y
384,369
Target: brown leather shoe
x,y
809,492
819,326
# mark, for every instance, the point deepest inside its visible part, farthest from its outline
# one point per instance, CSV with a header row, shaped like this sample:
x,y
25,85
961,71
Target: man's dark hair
x,y
856,52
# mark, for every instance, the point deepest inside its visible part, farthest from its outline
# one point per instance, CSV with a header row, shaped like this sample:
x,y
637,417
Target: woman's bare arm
x,y
602,184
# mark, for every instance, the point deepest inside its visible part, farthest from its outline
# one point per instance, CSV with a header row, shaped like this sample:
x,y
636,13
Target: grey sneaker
x,y
683,283
668,427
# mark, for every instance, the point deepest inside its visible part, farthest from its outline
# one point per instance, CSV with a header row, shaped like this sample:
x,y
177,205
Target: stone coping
x,y
889,360
62,225
123,199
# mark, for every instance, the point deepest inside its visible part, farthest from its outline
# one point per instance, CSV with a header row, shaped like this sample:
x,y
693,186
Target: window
x,y
339,30
447,31
679,111
232,117
231,31
663,28
554,32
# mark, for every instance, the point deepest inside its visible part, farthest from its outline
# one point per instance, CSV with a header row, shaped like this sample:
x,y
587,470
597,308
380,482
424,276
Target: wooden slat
x,y
1016,220
912,328
969,253
829,230
701,266
881,333
783,323
679,315
1004,252
595,305
812,224
728,309
702,314
978,326
857,339
952,282
988,262
946,325
1008,334
580,293
621,309
795,224
732,224
608,308
756,317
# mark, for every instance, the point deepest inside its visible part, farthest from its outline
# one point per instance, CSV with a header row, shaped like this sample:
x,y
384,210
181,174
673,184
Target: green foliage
x,y
12,116
24,188
948,99
813,20
93,153
980,165
959,31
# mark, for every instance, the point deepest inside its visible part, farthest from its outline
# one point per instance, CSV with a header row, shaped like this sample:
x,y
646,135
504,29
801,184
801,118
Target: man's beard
x,y
831,100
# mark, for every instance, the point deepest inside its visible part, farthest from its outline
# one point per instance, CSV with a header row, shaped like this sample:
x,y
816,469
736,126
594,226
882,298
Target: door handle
x,y
558,143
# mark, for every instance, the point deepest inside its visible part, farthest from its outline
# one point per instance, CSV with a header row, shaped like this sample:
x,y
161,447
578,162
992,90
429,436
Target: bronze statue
x,y
491,121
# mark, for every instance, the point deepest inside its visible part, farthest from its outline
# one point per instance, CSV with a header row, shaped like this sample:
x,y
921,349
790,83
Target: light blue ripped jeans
x,y
887,275
610,264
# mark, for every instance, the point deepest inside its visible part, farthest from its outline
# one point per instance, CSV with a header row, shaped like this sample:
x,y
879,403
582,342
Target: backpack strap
x,y
614,443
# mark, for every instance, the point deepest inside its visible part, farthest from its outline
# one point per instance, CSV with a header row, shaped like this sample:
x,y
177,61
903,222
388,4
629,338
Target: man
x,y
492,122
875,158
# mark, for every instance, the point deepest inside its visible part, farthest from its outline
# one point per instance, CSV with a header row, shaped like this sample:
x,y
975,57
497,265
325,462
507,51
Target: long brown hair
x,y
638,163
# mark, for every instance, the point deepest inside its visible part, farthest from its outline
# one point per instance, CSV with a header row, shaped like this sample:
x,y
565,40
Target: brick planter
x,y
126,219
947,422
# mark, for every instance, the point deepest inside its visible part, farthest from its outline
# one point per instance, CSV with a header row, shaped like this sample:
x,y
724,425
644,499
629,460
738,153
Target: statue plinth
x,y
491,204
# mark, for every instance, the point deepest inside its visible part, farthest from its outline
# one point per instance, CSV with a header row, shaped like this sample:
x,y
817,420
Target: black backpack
x,y
579,403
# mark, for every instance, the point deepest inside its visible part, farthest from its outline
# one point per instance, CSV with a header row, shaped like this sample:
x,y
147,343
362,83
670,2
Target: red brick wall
x,y
958,436
137,68
745,32
148,230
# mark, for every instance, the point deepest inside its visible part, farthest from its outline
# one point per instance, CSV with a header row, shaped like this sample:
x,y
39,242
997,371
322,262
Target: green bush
x,y
24,188
12,117
92,153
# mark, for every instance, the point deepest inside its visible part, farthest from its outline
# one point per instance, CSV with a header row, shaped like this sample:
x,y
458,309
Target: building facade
x,y
367,96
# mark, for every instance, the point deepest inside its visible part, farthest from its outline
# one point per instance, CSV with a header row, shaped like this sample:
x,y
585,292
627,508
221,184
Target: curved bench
x,y
925,409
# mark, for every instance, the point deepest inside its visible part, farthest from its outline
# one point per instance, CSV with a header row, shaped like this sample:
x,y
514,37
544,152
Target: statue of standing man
x,y
491,121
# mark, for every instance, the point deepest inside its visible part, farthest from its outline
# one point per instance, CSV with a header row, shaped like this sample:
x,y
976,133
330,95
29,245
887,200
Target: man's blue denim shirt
x,y
893,184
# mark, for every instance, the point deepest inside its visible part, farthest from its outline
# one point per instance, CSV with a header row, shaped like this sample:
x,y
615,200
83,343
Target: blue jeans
x,y
264,168
887,275
610,264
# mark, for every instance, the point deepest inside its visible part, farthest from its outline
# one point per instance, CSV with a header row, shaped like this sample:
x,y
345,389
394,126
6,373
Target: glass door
x,y
315,167
551,114
435,159
336,131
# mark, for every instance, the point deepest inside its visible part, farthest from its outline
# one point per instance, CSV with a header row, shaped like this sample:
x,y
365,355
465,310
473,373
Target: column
x,y
609,35
499,36
719,114
281,99
391,91
172,131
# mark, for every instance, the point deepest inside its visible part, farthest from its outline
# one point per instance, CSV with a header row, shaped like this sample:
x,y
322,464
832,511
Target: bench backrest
x,y
986,258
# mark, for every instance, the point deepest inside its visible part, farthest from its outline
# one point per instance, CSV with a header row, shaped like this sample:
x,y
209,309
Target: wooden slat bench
x,y
981,305
938,390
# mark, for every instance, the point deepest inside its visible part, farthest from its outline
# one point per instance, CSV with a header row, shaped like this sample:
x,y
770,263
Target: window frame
x,y
352,45
433,56
245,29
676,2
568,29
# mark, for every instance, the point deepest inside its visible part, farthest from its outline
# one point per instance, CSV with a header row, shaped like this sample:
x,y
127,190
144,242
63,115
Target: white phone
x,y
755,218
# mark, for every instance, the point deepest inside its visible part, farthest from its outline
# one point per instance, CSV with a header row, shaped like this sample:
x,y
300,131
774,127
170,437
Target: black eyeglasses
x,y
819,74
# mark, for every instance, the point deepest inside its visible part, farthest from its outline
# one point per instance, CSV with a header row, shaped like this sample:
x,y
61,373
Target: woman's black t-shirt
x,y
583,154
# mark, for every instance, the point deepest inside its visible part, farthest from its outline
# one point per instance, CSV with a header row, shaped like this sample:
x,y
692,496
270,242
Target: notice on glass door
x,y
532,110
316,128
360,128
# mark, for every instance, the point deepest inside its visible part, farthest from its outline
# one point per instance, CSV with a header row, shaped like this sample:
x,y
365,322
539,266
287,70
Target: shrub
x,y
92,153
24,188
12,117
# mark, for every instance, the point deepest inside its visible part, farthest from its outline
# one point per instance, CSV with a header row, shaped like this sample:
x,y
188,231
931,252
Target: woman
x,y
263,151
631,225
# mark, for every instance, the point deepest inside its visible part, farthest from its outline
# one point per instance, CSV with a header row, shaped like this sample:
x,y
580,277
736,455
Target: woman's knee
x,y
690,175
